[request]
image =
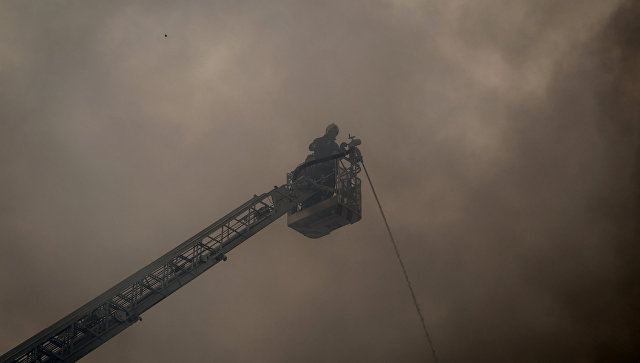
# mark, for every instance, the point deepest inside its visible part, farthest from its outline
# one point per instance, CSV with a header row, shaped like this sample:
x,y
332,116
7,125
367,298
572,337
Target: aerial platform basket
x,y
321,218
330,208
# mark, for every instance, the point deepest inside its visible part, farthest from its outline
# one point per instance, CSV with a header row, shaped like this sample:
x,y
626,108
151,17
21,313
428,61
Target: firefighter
x,y
326,145
324,173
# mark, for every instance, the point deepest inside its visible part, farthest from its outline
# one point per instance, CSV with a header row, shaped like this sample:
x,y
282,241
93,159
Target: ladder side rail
x,y
90,306
113,311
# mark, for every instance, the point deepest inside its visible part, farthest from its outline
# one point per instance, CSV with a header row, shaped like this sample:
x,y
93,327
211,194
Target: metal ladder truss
x,y
121,306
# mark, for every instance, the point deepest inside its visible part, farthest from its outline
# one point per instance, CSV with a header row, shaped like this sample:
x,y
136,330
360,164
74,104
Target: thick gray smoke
x,y
502,137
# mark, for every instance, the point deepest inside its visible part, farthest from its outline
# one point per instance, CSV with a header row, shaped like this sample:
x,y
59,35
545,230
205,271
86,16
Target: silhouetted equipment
x,y
85,329
340,201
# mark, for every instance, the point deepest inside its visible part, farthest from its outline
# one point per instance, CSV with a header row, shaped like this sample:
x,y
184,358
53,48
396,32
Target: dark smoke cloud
x,y
503,140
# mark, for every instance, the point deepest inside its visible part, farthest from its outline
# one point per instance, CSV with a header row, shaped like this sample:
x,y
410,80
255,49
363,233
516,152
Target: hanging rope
x,y
404,270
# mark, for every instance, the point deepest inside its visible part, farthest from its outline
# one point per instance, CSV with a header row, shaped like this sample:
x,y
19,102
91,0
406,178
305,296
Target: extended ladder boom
x,y
121,306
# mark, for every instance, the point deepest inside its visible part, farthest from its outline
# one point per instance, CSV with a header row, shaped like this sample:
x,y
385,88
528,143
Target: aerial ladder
x,y
336,203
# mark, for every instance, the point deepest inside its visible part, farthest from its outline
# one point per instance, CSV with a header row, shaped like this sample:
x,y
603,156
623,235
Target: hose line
x,y
404,270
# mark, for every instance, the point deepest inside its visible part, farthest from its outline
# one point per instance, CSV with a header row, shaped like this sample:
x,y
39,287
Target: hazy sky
x,y
503,138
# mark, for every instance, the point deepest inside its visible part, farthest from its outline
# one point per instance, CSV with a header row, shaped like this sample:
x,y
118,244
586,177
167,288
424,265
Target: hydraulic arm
x,y
121,306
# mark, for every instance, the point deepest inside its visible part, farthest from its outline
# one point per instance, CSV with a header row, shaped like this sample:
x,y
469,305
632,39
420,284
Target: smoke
x,y
502,139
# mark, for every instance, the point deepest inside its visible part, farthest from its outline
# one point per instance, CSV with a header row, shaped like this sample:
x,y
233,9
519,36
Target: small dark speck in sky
x,y
165,35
